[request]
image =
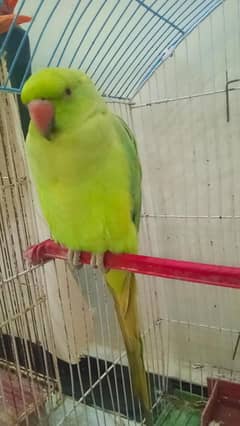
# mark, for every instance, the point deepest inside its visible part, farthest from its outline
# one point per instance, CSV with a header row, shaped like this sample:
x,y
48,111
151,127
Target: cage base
x,y
223,406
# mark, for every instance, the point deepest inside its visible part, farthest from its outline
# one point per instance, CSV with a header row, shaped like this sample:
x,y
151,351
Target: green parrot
x,y
86,169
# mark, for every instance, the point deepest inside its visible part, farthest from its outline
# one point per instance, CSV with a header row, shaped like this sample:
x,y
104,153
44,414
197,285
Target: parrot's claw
x,y
73,259
97,261
35,255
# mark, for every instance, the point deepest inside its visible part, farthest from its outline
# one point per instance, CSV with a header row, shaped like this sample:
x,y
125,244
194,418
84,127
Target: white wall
x,y
190,157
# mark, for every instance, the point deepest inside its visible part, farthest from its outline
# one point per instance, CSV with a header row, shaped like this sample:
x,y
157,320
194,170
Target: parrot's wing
x,y
122,284
130,146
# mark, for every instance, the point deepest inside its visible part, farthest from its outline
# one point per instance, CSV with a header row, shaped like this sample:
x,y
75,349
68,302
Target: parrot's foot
x,y
97,261
73,259
35,255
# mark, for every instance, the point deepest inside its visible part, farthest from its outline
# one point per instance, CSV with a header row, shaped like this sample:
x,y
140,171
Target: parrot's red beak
x,y
42,115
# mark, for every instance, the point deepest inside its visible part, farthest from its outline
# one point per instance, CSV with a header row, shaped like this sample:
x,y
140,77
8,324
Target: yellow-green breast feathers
x,y
86,171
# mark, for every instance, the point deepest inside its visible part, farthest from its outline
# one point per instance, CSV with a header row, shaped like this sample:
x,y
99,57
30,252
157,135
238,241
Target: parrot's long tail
x,y
122,285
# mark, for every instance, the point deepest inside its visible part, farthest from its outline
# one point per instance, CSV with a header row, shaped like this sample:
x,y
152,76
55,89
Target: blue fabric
x,y
21,64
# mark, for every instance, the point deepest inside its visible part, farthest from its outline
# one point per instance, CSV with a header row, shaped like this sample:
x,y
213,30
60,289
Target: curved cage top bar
x,y
118,43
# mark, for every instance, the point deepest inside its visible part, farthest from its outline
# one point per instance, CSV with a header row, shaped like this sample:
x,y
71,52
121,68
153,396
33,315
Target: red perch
x,y
218,275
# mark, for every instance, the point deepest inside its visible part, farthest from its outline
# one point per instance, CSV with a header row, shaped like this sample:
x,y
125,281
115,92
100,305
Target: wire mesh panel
x,y
119,44
189,149
27,373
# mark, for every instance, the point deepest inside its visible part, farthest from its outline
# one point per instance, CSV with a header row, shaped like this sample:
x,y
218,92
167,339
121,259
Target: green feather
x,y
130,146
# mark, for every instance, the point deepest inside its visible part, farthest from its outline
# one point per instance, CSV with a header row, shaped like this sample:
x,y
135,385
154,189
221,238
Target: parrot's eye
x,y
68,91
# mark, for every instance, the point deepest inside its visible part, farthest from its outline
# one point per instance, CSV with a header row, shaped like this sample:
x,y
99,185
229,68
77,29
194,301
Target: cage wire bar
x,y
150,31
24,314
183,346
178,106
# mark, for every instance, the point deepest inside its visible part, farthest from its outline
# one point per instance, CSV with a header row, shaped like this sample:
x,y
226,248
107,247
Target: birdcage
x,y
170,69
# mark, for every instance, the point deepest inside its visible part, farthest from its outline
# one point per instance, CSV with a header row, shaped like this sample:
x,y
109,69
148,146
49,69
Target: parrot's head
x,y
58,99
